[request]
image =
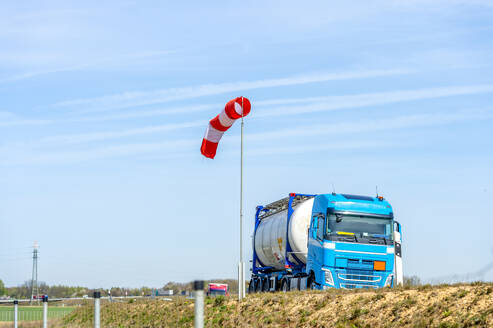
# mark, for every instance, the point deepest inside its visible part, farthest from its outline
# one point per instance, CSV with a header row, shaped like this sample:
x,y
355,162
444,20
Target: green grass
x,y
33,313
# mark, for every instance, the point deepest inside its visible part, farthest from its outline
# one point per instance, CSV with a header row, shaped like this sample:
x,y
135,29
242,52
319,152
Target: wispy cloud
x,y
458,4
363,126
174,148
278,107
4,115
340,145
106,135
141,98
11,119
23,147
271,107
319,104
105,62
148,113
26,122
17,155
67,157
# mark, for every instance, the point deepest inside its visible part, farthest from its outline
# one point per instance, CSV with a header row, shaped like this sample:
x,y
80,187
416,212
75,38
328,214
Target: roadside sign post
x,y
16,312
198,288
97,310
45,311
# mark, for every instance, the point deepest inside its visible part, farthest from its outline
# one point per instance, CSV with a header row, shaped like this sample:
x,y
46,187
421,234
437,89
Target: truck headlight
x,y
328,277
388,281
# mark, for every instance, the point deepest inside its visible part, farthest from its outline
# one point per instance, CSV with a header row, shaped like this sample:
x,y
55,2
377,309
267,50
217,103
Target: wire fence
x,y
29,313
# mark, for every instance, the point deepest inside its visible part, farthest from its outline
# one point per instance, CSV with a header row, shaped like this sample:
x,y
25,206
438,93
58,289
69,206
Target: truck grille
x,y
358,279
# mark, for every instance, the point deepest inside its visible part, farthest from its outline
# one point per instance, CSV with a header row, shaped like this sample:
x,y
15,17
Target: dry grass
x,y
32,324
438,306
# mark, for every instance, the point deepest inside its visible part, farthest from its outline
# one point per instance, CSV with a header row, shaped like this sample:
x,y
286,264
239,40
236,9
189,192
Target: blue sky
x,y
104,106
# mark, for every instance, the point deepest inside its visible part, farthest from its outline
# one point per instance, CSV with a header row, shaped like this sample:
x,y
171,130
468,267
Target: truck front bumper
x,y
350,279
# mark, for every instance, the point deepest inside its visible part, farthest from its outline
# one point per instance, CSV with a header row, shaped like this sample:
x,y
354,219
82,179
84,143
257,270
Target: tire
x,y
285,286
257,285
310,282
265,285
251,286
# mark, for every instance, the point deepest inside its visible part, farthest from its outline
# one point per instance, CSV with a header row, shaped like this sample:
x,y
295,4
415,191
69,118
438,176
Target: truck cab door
x,y
312,238
318,238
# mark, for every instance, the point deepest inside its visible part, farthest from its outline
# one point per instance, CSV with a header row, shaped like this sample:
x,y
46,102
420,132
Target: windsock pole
x,y
216,128
241,266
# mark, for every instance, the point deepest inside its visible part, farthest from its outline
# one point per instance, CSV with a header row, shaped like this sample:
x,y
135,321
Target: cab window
x,y
321,228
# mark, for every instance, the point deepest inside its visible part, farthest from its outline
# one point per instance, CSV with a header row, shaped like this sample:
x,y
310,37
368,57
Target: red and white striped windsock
x,y
233,110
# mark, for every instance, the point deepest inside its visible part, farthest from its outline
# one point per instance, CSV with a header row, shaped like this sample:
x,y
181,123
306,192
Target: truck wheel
x,y
258,285
285,285
265,284
310,282
251,286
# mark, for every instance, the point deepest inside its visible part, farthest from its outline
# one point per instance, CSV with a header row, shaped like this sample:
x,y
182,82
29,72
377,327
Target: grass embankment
x,y
438,306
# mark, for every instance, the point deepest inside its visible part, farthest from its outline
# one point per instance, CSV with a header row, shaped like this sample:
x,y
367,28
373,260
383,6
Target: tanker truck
x,y
325,241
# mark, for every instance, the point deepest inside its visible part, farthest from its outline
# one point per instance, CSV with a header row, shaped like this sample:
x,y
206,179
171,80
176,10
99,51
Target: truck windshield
x,y
360,226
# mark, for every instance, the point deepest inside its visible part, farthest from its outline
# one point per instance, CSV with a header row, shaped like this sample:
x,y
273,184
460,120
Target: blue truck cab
x,y
353,242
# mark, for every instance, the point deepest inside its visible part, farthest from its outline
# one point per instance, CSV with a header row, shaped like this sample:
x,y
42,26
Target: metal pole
x,y
244,279
16,312
241,278
45,311
37,285
97,310
198,287
34,278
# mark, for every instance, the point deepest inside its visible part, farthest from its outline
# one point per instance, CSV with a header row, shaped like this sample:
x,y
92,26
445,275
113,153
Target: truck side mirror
x,y
398,230
397,226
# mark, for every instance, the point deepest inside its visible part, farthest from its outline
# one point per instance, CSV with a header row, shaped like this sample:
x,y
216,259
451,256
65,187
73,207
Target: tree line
x,y
23,291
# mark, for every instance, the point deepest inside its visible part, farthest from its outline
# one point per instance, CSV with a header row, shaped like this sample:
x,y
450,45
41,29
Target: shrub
x,y
219,300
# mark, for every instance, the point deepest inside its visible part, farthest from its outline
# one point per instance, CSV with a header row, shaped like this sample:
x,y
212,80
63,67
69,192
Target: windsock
x,y
233,110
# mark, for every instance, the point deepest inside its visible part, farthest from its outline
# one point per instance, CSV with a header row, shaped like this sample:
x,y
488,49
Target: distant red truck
x,y
39,297
216,289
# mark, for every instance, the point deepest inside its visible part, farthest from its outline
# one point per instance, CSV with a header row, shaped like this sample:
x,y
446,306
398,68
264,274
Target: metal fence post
x,y
97,310
198,287
16,312
45,311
